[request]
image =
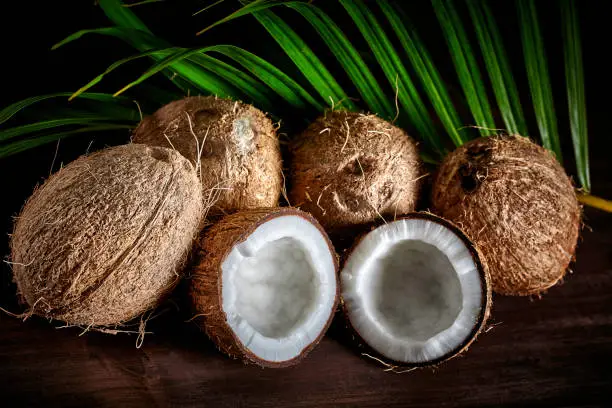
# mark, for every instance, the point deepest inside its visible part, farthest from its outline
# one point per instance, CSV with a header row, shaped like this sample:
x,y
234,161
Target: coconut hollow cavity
x,y
265,286
415,291
350,169
515,201
233,145
106,237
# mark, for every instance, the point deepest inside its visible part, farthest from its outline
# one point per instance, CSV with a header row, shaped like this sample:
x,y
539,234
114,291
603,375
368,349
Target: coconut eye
x,y
415,291
204,115
386,191
359,166
469,179
352,167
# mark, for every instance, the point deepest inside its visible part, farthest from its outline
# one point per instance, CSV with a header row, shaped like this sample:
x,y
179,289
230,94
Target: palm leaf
x,y
208,7
574,74
302,56
126,34
144,40
22,145
278,81
498,66
254,90
394,70
465,64
537,74
243,74
159,50
247,84
49,124
122,16
111,68
348,57
11,110
143,2
249,8
427,72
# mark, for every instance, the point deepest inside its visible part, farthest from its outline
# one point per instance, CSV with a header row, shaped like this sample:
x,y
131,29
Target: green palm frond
x,y
250,8
354,66
29,143
575,91
389,60
498,66
281,83
11,110
106,113
411,88
305,59
537,74
427,72
465,64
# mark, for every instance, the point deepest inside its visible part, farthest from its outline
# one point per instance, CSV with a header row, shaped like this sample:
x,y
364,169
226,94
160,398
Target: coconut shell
x,y
103,239
206,286
517,204
239,155
350,169
485,279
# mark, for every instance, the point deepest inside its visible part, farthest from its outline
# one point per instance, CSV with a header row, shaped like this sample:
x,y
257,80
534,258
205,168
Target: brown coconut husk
x,y
233,144
103,239
517,204
349,169
206,287
400,367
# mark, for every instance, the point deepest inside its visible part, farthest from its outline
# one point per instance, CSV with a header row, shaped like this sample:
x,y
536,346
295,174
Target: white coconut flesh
x,y
413,291
279,288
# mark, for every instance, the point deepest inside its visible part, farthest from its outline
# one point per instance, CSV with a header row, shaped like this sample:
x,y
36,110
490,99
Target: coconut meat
x,y
413,291
279,287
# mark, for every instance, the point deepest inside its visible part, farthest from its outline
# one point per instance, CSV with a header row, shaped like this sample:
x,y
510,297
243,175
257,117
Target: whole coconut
x,y
103,239
517,204
234,145
349,169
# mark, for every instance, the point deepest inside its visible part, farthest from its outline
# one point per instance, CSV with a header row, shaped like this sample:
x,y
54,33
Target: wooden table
x,y
553,351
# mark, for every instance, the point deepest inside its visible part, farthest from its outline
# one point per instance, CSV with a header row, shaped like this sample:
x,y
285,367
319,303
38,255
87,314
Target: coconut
x,y
103,239
265,286
415,291
234,144
515,201
350,169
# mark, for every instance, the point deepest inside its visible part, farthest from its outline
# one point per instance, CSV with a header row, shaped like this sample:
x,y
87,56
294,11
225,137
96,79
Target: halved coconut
x,y
266,285
415,291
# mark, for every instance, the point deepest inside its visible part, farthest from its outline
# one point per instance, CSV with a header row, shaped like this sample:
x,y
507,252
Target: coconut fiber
x,y
206,287
103,239
234,145
515,201
349,168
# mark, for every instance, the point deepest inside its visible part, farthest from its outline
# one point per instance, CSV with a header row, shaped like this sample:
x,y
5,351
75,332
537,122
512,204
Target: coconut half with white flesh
x,y
265,286
415,291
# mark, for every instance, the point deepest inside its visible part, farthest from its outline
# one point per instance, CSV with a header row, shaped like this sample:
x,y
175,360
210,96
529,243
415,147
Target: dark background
x,y
551,351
